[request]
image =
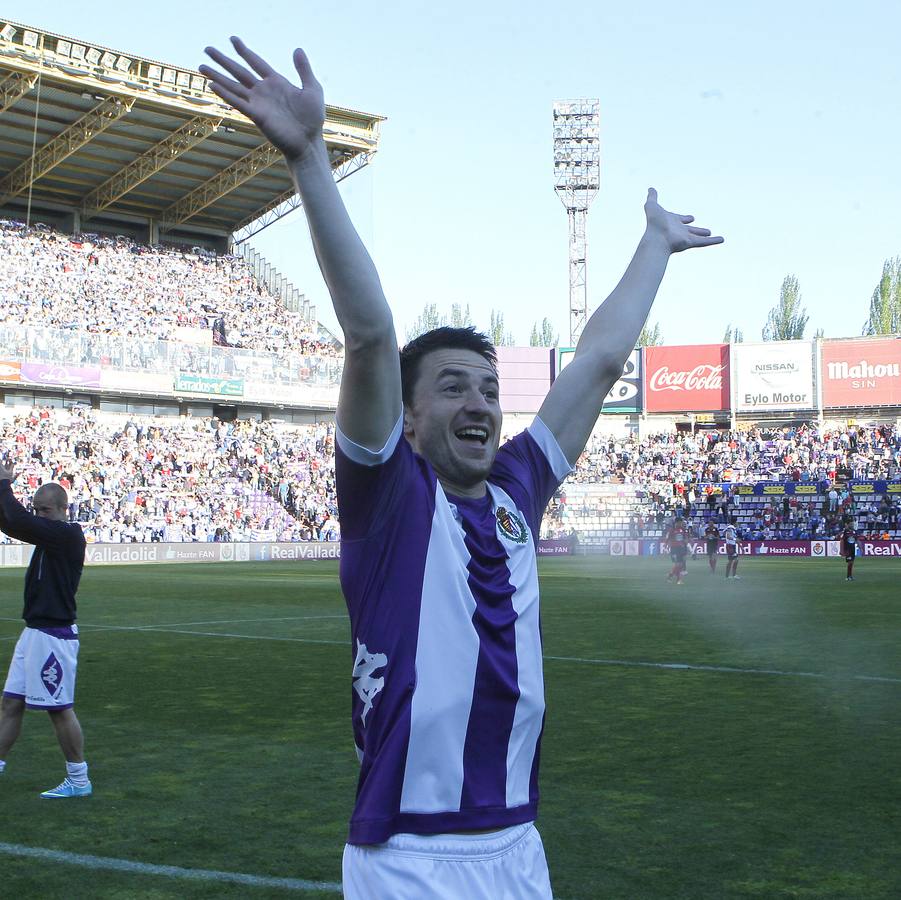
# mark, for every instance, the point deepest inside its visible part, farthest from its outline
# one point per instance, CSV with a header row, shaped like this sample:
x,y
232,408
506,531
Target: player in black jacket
x,y
42,671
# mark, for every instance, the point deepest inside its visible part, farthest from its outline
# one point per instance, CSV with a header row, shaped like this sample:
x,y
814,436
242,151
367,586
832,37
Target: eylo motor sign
x,y
687,379
773,375
862,373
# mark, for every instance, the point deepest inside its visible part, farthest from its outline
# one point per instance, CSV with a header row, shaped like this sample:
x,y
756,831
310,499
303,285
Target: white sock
x,y
2,765
78,773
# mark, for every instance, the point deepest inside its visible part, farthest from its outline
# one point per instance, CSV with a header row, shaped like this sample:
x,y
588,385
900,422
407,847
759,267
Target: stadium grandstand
x,y
128,193
154,364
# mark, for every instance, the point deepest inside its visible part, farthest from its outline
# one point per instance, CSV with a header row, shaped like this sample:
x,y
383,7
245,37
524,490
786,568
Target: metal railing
x,y
70,347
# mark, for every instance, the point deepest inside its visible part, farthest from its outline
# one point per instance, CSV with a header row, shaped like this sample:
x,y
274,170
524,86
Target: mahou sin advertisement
x,y
862,373
687,379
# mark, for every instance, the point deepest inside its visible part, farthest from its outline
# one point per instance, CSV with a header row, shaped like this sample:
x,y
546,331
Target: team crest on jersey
x,y
511,526
52,675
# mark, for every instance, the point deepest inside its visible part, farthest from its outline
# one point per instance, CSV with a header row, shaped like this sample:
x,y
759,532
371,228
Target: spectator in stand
x,y
96,300
151,479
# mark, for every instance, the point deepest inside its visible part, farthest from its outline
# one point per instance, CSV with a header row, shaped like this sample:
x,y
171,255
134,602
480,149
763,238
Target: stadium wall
x,y
525,377
705,385
19,555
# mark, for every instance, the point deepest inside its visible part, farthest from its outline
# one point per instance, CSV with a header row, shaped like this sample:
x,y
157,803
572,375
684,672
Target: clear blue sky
x,y
776,124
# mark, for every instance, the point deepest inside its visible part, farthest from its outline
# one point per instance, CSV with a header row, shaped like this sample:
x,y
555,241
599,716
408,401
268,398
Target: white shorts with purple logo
x,y
500,865
42,671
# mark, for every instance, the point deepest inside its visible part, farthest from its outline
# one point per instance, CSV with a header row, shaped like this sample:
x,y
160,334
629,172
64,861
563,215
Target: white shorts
x,y
42,671
501,865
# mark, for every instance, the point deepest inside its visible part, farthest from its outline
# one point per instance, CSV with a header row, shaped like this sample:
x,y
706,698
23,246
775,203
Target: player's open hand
x,y
675,230
290,117
7,471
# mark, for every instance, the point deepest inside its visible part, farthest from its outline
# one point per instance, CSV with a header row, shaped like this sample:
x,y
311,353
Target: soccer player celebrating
x,y
439,529
712,538
730,536
42,671
849,548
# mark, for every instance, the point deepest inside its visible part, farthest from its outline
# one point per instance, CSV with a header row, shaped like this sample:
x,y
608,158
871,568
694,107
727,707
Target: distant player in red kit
x,y
678,550
849,549
712,537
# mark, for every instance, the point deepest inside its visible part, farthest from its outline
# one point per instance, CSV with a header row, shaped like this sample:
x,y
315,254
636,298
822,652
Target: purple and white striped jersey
x,y
442,591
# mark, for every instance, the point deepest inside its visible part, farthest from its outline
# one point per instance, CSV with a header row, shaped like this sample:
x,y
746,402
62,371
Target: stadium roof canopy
x,y
98,140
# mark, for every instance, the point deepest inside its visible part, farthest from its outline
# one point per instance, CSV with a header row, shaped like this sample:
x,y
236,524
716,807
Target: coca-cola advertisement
x,y
687,379
862,373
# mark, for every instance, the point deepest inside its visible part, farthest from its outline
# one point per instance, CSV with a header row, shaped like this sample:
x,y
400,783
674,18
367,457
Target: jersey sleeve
x,y
371,483
530,468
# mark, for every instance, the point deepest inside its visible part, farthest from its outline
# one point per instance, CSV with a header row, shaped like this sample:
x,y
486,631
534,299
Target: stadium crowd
x,y
115,286
802,453
697,477
145,479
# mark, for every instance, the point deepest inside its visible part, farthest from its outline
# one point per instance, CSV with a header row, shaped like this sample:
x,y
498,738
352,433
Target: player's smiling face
x,y
455,418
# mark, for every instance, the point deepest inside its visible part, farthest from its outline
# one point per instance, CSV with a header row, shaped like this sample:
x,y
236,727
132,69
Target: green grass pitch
x,y
215,702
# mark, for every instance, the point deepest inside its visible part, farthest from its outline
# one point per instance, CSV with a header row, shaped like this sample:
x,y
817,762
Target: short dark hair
x,y
444,338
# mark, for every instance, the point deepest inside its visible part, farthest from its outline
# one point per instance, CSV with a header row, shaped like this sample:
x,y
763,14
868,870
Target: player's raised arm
x,y
574,401
291,118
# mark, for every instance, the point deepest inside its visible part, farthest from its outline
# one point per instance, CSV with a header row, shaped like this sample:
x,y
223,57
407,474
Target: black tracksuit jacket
x,y
56,564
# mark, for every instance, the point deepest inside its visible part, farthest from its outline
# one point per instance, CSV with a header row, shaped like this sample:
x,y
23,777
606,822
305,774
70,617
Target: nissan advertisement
x,y
775,375
687,379
861,373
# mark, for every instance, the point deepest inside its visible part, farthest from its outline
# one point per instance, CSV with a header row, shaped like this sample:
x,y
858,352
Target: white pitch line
x,y
220,622
125,865
700,667
145,629
628,663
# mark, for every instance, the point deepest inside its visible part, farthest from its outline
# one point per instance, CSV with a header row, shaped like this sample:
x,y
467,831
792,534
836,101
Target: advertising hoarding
x,y
54,373
625,395
773,375
861,373
687,379
10,370
197,552
141,382
207,384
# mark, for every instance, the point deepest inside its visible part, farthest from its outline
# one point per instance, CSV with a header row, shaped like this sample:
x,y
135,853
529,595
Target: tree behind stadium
x,y
543,336
430,318
885,304
788,319
650,337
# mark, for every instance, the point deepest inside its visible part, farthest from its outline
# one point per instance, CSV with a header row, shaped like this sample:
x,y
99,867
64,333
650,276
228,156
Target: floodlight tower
x,y
577,177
